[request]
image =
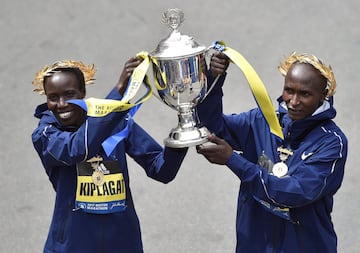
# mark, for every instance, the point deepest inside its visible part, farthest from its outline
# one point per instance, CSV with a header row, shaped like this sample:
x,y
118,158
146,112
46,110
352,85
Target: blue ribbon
x,y
78,102
217,46
111,142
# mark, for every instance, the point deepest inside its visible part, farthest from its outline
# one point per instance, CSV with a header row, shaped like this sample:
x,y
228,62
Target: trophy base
x,y
181,138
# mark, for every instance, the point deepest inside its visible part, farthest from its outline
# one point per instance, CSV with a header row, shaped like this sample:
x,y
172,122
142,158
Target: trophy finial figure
x,y
173,18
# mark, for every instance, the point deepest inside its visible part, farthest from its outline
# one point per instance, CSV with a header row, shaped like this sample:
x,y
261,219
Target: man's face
x,y
304,90
59,88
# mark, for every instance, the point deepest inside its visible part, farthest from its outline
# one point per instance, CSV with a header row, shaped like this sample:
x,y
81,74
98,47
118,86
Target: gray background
x,y
196,212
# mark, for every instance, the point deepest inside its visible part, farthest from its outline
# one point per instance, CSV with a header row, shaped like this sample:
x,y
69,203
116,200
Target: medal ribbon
x,y
256,85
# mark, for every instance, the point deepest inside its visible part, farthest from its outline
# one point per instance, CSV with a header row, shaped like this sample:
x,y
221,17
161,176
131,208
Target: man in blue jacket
x,y
287,185
94,209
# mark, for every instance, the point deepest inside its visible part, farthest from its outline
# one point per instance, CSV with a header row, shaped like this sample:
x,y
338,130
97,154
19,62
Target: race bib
x,y
100,186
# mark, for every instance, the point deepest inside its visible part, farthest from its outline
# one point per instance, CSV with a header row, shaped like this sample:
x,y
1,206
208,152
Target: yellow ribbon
x,y
256,85
101,107
97,107
163,76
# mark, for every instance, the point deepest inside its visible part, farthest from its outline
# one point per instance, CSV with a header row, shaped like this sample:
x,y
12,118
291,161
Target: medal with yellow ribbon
x,y
256,85
280,169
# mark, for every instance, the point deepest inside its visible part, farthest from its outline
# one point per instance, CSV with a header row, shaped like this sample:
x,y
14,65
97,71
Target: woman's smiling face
x,y
59,88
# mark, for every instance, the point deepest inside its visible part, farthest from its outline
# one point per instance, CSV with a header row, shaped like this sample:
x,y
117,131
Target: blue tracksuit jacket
x,y
290,214
75,231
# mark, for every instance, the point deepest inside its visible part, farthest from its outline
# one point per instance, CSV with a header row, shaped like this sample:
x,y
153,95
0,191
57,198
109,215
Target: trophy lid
x,y
176,45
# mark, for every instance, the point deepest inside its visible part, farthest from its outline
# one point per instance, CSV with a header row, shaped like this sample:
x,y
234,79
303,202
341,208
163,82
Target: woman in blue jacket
x,y
287,185
94,209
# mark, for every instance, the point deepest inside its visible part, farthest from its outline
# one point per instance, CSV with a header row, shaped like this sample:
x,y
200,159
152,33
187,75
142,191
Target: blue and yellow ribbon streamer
x,y
96,107
256,85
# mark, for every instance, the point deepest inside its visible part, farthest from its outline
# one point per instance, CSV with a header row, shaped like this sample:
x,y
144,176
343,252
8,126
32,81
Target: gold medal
x,y
280,169
98,177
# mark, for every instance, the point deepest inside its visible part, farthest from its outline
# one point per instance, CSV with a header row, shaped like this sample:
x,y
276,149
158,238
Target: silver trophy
x,y
180,81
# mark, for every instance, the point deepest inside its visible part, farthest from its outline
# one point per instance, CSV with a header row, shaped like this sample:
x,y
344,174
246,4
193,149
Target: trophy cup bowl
x,y
180,81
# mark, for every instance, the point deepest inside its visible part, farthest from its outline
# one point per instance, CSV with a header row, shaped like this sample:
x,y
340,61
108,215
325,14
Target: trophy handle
x,y
207,53
216,78
154,92
211,87
159,87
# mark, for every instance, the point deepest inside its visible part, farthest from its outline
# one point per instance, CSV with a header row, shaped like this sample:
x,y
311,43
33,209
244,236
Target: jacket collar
x,y
47,117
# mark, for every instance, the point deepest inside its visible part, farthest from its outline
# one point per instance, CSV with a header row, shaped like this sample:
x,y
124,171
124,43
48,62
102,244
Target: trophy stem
x,y
186,117
186,134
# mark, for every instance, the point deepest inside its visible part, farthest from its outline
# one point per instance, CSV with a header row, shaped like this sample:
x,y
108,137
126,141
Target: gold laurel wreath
x,y
326,71
87,70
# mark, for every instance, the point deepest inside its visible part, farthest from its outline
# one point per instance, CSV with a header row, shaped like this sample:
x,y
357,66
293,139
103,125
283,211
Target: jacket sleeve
x,y
210,110
234,128
158,163
319,175
57,147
